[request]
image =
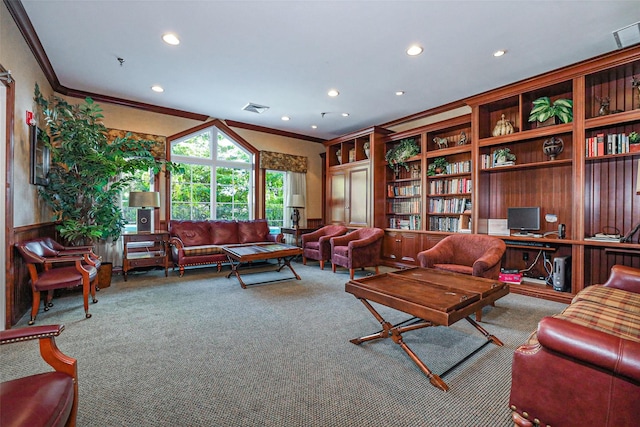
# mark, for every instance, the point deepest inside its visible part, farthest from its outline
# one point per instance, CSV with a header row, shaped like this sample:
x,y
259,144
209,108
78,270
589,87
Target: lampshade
x,y
144,199
296,201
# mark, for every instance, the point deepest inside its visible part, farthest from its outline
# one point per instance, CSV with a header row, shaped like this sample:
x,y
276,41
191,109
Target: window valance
x,y
283,162
159,148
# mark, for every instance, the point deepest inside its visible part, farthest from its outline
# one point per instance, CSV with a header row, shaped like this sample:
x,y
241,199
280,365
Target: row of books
x,y
459,167
450,186
413,222
454,205
403,190
440,223
404,206
604,144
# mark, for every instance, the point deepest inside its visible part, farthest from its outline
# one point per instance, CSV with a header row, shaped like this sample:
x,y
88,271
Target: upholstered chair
x,y
359,249
48,271
478,255
44,399
317,244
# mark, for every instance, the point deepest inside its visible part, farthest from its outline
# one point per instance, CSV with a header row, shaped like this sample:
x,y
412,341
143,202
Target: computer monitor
x,y
523,219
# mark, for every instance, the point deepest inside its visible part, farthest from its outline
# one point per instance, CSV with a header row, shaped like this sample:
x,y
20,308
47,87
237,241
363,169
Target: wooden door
x,y
336,198
358,206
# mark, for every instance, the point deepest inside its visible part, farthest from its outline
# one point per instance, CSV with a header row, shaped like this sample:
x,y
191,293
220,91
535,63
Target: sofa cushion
x,y
253,231
224,232
611,297
614,321
202,250
192,233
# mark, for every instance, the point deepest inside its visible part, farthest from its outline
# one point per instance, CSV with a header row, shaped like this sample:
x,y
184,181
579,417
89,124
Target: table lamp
x,y
296,202
144,200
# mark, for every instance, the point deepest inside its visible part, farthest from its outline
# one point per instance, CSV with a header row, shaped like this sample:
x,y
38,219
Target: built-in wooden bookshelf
x,y
589,192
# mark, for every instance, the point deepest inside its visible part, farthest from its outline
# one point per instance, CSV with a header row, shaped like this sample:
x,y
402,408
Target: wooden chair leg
x,y
333,267
479,315
35,305
377,270
351,271
321,264
304,260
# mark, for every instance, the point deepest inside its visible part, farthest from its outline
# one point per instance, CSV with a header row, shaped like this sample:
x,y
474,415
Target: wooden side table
x,y
145,250
297,232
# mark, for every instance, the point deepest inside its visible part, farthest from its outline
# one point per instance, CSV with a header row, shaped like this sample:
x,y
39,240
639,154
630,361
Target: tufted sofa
x,y
582,366
201,242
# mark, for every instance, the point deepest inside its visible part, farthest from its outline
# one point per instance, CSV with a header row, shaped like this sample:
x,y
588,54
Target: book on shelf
x,y
515,278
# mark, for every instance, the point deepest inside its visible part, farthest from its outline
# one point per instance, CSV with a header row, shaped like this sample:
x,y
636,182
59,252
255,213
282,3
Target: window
x,y
217,182
275,195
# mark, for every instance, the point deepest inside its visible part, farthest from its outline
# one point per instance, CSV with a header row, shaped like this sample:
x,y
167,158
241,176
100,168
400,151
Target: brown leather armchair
x,y
48,272
317,244
45,399
359,249
474,254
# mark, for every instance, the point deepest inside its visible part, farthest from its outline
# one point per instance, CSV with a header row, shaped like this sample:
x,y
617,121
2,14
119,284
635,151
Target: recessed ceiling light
x,y
286,118
333,93
414,50
400,93
171,39
345,114
157,88
500,52
314,127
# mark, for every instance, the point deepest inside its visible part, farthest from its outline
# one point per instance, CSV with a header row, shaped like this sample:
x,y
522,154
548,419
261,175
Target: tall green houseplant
x,y
88,172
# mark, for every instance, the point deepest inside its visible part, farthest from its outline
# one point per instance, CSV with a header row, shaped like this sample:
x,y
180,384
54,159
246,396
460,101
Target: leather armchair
x,y
48,271
317,244
45,399
359,249
474,254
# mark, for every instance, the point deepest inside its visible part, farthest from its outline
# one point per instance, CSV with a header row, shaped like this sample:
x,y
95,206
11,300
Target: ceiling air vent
x,y
255,108
627,36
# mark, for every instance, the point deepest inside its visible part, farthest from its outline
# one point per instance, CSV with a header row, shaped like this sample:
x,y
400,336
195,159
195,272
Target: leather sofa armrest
x,y
277,238
176,242
625,278
606,351
35,332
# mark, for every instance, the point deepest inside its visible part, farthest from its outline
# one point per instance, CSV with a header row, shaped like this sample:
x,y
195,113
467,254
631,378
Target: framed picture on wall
x,y
40,157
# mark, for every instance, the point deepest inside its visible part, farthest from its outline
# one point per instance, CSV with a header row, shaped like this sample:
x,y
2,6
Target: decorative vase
x,y
366,152
339,156
552,147
634,148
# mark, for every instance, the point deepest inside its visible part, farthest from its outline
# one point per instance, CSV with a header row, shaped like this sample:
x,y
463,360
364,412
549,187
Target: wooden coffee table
x,y
251,252
433,297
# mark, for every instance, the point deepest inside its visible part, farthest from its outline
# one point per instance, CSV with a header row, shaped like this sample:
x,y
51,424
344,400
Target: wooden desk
x,y
145,250
297,232
434,297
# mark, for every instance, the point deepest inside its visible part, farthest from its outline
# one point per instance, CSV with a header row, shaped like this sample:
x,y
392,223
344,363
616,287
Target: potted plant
x,y
503,156
439,166
634,142
398,155
544,110
88,172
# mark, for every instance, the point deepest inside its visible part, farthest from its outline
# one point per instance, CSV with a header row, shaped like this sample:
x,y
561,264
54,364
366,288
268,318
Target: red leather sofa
x,y
201,242
582,366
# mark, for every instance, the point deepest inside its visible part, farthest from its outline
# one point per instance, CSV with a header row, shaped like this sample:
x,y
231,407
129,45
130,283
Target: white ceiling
x,y
288,54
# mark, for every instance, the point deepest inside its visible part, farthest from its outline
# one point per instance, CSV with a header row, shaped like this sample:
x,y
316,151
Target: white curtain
x,y
296,183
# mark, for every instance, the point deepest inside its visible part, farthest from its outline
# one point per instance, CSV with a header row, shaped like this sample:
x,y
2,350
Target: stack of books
x,y
510,276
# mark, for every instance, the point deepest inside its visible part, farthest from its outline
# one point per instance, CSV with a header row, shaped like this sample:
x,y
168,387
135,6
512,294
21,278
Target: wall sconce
x,y
296,202
144,200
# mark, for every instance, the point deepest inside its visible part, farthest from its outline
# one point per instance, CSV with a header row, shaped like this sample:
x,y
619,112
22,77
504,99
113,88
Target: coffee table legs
x,y
396,331
235,265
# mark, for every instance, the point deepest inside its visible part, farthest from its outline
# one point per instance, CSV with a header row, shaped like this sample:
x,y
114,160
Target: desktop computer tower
x,y
562,273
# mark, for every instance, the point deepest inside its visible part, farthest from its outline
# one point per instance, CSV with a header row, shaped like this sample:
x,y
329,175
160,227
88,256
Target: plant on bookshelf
x,y
398,155
543,110
503,156
439,166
